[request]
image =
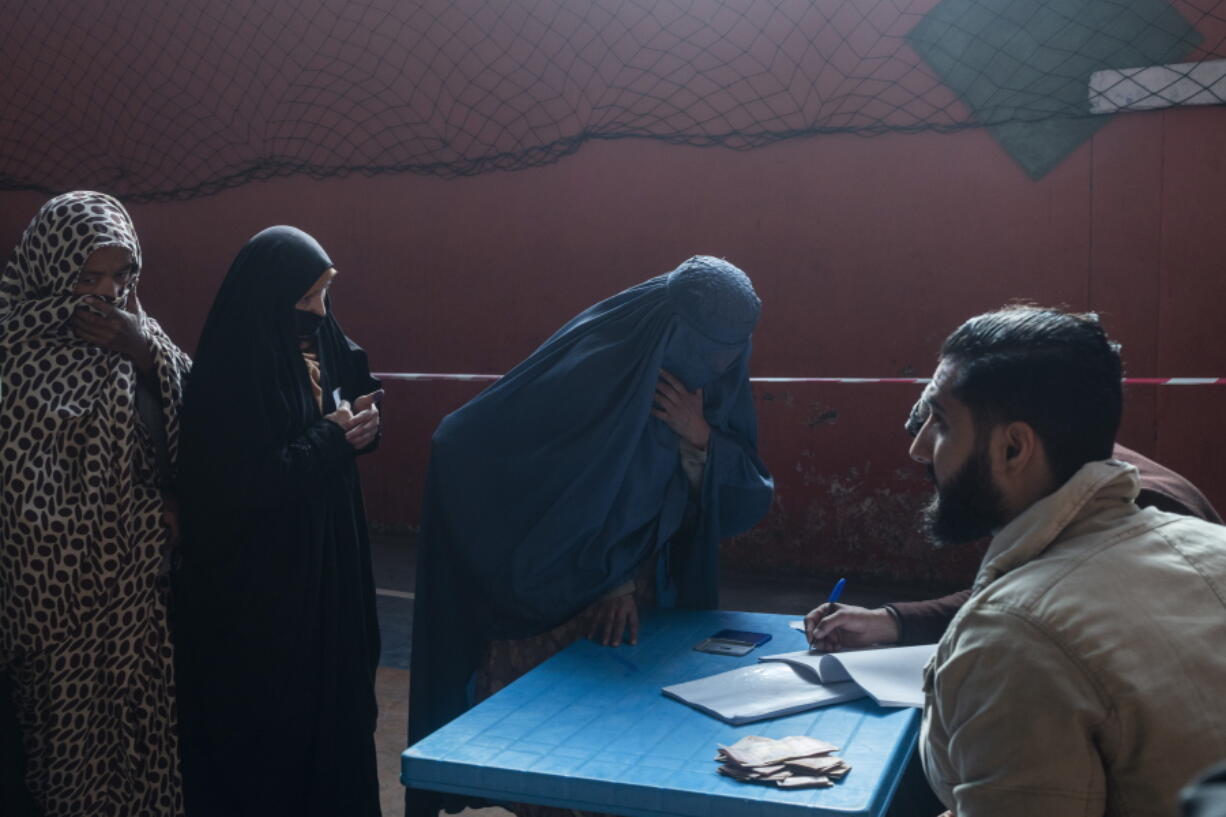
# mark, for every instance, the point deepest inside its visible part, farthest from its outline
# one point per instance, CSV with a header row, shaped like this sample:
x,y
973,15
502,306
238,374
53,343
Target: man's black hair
x,y
1056,371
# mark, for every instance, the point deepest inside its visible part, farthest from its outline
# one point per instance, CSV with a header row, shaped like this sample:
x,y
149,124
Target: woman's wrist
x,y
626,588
702,439
141,353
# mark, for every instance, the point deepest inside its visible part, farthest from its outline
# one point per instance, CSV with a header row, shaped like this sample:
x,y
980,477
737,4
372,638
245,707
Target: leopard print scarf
x,y
80,516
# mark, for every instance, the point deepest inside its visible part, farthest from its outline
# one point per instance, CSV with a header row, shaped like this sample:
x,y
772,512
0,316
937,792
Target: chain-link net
x,y
156,100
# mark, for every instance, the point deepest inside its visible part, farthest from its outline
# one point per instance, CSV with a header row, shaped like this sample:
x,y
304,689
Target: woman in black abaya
x,y
275,627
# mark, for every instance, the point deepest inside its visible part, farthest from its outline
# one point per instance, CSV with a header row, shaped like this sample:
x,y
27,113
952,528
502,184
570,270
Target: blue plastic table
x,y
590,730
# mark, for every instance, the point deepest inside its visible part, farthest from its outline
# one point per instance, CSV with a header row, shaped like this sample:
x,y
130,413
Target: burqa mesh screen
x,y
153,100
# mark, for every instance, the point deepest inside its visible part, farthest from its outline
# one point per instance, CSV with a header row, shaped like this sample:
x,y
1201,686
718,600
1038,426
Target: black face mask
x,y
306,324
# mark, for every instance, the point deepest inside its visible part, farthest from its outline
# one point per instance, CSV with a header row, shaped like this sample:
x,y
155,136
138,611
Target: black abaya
x,y
276,635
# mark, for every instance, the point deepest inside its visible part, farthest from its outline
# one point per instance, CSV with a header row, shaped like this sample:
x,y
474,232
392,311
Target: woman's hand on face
x,y
681,410
115,329
611,617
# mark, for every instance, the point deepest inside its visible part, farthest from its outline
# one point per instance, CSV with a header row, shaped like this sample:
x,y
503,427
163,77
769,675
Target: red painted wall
x,y
866,252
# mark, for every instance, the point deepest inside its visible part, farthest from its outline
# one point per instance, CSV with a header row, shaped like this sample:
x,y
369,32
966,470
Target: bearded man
x,y
1083,676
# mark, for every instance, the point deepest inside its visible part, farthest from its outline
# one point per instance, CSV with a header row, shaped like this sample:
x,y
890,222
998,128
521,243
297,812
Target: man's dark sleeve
x,y
924,622
1166,490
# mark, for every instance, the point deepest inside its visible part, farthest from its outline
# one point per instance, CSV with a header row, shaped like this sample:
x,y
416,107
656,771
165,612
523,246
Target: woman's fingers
x,y
363,424
667,396
366,413
599,617
611,619
600,623
617,626
671,385
361,433
365,418
611,633
85,317
668,377
356,439
628,622
342,417
89,334
625,621
85,320
367,400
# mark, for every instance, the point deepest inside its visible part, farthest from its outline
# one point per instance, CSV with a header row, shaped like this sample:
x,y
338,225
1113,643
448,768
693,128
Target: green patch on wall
x,y
1023,66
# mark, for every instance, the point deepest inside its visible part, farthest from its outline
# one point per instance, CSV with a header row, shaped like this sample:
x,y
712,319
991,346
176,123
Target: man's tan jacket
x,y
1087,673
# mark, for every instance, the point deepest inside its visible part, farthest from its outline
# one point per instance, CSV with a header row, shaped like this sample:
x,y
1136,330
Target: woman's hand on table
x,y
612,617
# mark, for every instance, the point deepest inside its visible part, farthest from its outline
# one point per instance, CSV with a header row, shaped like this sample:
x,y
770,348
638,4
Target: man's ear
x,y
1018,446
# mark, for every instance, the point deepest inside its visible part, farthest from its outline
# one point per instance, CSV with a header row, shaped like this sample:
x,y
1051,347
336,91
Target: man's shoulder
x,y
1084,578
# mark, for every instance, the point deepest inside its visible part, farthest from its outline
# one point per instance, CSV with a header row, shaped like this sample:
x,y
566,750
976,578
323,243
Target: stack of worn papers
x,y
796,762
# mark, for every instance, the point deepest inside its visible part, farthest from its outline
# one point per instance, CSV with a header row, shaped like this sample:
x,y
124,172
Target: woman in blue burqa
x,y
598,475
275,633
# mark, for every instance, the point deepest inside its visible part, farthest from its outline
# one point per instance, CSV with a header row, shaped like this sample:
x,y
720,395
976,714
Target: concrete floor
x,y
395,570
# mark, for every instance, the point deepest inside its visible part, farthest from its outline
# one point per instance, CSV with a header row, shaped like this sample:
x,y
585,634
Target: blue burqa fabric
x,y
554,484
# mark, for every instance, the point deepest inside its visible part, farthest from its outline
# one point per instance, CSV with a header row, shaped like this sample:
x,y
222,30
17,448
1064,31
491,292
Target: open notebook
x,y
793,682
891,676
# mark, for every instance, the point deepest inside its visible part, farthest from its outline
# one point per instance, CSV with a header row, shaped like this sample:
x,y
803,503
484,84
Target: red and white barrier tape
x,y
1145,381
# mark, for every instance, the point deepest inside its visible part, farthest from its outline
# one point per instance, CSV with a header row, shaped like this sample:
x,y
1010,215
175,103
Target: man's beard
x,y
968,507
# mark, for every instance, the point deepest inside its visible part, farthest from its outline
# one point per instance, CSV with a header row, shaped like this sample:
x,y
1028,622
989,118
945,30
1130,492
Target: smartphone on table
x,y
732,642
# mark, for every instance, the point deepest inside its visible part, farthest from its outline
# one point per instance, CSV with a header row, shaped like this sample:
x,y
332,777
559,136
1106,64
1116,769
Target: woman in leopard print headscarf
x,y
89,393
